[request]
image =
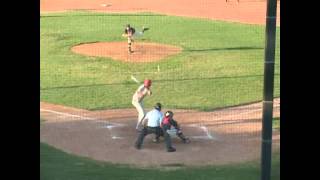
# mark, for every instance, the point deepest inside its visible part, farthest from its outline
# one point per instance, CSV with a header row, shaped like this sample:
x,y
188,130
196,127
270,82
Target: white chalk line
x,y
67,114
117,137
209,135
112,125
200,137
108,126
206,131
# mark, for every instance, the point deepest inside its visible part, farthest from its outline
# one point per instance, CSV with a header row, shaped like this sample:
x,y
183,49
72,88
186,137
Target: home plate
x,y
117,137
112,125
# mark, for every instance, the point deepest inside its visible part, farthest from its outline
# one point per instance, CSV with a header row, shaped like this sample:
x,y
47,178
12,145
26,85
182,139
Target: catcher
x,y
130,32
171,127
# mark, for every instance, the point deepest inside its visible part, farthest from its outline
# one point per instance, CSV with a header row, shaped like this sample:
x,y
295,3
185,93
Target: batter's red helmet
x,y
147,83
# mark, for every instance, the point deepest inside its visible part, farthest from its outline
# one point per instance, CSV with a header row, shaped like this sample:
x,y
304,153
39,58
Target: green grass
x,y
221,63
58,165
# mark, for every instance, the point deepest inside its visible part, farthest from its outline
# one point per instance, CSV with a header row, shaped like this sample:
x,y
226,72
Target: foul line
x,y
109,125
67,114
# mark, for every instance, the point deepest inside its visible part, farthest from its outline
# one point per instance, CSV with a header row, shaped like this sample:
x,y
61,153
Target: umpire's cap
x,y
158,106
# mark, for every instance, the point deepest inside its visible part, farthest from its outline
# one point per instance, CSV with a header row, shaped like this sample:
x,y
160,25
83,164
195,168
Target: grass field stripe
x,y
226,54
67,114
145,72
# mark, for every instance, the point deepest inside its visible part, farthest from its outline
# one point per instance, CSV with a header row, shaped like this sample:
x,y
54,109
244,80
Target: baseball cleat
x,y
137,146
145,29
171,149
186,141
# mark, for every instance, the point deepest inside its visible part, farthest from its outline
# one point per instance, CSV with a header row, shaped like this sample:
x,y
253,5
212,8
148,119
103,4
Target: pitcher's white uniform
x,y
130,33
137,100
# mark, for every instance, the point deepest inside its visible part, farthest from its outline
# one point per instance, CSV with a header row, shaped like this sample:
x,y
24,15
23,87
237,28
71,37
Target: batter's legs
x,y
141,112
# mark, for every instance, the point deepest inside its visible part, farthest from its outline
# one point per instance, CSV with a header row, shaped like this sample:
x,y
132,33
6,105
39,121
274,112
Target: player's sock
x,y
144,29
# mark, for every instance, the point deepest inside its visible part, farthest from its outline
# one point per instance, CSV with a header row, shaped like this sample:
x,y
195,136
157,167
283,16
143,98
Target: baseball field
x,y
218,63
209,71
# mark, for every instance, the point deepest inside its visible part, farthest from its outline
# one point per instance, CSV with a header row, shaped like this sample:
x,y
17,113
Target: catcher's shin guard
x,y
183,138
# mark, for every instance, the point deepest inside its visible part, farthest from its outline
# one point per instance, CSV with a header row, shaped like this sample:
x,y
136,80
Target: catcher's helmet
x,y
147,83
158,106
169,114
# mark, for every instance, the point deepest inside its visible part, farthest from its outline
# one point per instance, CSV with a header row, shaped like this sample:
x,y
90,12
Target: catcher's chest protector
x,y
166,121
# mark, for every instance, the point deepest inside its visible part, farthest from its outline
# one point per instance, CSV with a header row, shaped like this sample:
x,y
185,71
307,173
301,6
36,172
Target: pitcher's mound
x,y
142,52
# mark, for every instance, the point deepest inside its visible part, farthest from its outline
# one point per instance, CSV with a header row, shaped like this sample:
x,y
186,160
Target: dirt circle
x,y
143,51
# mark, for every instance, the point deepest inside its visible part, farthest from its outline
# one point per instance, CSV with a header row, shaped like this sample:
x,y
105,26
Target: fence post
x,y
269,59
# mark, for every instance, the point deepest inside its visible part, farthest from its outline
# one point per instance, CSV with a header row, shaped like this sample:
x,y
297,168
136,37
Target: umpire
x,y
153,118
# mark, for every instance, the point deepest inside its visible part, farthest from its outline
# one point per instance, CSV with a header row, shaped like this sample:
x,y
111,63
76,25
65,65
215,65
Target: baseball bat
x,y
135,79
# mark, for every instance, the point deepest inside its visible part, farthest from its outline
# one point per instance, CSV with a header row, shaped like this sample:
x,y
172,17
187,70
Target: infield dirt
x,y
109,135
143,52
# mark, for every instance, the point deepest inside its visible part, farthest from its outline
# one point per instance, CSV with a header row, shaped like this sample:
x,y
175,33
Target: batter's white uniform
x,y
137,102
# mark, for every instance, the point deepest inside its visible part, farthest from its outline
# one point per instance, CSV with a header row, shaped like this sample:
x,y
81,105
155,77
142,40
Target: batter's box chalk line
x,y
68,114
112,125
207,135
106,124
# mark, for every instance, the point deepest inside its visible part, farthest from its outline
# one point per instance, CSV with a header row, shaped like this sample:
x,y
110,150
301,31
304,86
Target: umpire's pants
x,y
145,131
167,137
